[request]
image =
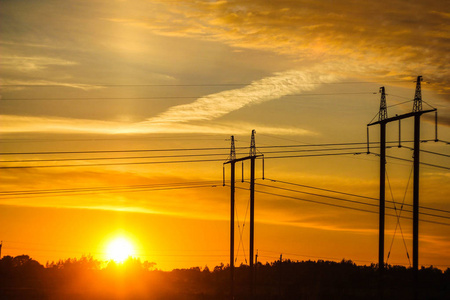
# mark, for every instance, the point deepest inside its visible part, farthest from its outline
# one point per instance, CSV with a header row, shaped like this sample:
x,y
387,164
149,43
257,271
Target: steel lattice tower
x,y
253,144
418,96
383,108
232,149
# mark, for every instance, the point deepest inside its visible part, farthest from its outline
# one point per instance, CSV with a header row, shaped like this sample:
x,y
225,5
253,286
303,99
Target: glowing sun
x,y
119,249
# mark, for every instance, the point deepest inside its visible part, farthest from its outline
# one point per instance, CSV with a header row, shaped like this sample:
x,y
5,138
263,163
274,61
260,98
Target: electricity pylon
x,y
232,161
416,113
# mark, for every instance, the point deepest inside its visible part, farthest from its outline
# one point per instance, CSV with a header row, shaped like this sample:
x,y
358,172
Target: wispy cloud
x,y
188,118
364,40
32,63
216,105
8,84
16,124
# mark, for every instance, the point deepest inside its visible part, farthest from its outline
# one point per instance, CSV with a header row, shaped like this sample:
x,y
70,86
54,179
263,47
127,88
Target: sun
x,y
119,250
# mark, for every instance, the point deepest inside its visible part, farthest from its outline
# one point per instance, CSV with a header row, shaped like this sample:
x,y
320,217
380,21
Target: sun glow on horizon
x,y
119,249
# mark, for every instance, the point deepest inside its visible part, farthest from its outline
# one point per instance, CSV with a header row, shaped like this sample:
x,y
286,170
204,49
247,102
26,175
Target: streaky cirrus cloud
x,y
188,118
31,63
216,105
18,124
12,84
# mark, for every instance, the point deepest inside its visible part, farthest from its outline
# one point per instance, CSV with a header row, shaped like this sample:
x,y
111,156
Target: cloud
x,y
27,64
216,105
188,118
16,124
10,84
392,40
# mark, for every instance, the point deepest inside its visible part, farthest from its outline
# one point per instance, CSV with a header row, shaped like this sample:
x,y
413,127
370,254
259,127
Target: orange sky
x,y
84,76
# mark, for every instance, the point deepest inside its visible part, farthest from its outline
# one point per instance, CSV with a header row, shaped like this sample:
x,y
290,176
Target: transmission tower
x,y
232,149
418,96
232,161
416,114
253,144
383,108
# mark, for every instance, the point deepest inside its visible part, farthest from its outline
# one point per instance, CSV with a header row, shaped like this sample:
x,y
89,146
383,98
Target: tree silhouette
x,y
86,278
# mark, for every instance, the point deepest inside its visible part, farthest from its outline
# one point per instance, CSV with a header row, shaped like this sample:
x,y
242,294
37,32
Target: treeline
x,y
21,277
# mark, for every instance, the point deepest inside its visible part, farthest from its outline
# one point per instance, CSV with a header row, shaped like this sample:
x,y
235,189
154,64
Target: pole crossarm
x,y
243,158
400,117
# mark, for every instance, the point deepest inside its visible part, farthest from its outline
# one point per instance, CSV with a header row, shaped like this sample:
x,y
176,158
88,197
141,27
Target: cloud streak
x,y
18,124
10,84
217,105
25,64
187,118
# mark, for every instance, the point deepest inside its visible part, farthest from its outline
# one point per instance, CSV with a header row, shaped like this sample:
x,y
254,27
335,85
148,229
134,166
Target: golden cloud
x,y
391,41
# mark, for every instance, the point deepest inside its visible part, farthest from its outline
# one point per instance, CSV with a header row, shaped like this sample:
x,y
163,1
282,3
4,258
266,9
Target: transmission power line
x,y
187,85
108,189
163,162
206,148
350,194
336,149
166,97
348,200
185,185
197,161
168,156
99,188
337,205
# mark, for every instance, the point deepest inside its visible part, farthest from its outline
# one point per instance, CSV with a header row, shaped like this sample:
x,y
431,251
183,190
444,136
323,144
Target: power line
x,y
338,205
172,156
115,164
332,144
110,188
197,149
347,200
318,195
102,98
113,151
198,161
350,194
108,158
422,163
185,85
167,156
165,97
74,193
180,185
322,189
313,155
408,160
96,139
164,162
427,151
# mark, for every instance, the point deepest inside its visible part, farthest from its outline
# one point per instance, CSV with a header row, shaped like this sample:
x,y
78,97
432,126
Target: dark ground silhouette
x,y
86,278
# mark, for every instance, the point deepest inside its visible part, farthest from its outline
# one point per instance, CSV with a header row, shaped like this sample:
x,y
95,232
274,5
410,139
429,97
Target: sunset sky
x,y
96,80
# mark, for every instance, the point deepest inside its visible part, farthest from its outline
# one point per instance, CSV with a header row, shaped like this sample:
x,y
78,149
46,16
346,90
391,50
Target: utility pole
x,y
252,155
417,108
381,117
232,201
232,161
383,120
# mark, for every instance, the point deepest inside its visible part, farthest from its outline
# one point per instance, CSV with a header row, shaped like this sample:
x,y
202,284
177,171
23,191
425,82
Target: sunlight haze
x,y
116,117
